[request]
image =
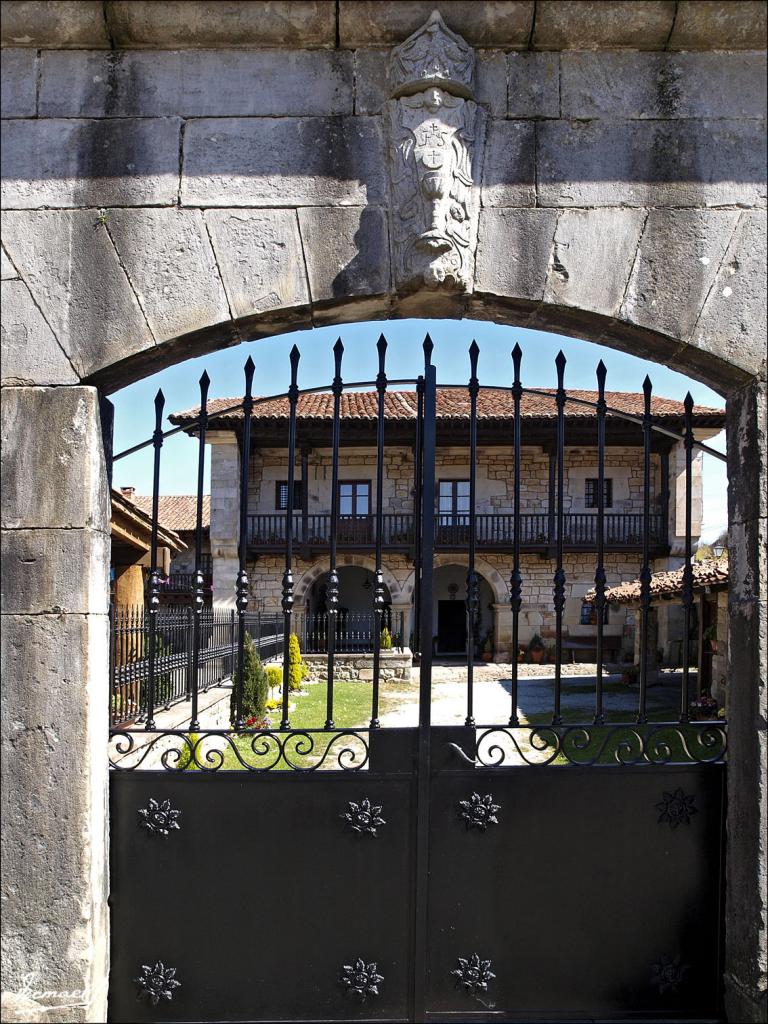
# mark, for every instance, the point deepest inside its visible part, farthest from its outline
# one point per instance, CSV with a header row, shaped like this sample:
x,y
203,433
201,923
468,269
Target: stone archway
x,y
320,567
142,231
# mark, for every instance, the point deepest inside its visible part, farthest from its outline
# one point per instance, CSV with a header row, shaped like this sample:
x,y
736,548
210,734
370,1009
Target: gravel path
x,y
535,694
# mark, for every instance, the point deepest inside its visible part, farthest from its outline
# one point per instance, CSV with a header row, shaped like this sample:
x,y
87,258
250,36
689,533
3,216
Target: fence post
x,y
231,643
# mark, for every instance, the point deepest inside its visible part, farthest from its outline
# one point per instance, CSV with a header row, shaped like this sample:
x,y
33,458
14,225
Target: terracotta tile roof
x,y
176,511
129,509
708,573
452,403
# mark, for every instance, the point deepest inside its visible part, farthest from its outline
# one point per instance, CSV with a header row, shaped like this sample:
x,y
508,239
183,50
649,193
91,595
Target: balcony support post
x,y
551,498
663,537
304,492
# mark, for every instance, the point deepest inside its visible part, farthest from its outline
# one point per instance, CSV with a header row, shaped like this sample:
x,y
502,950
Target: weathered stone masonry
x,y
175,182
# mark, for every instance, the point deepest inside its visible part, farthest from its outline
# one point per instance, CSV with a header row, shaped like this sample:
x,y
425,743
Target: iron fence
x,y
210,647
354,632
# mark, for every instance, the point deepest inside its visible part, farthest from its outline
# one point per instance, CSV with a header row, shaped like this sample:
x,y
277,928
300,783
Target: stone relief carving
x,y
436,134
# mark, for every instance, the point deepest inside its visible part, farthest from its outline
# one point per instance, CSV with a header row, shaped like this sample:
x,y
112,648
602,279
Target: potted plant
x,y
486,653
630,674
704,709
710,639
536,650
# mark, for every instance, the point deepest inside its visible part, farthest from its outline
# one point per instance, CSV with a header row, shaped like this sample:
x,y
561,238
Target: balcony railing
x,y
183,582
495,531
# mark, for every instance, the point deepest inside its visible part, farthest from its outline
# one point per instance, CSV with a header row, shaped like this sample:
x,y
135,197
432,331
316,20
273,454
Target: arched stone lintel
x,y
491,576
397,593
584,324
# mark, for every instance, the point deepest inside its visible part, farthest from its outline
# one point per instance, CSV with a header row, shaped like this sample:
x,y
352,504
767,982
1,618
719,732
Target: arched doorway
x,y
450,613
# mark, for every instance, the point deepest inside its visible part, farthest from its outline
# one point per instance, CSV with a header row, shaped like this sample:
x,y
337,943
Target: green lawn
x,y
351,710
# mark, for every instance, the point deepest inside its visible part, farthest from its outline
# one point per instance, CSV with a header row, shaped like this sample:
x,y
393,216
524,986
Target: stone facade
x,y
495,483
112,167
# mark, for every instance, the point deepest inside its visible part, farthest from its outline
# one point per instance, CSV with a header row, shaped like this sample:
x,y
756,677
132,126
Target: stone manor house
x,y
494,505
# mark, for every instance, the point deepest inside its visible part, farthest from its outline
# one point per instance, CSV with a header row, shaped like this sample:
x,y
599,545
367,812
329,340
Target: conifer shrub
x,y
386,640
298,668
255,687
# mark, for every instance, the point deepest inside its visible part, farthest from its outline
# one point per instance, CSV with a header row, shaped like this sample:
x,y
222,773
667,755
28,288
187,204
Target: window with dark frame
x,y
590,492
281,495
453,502
589,614
354,498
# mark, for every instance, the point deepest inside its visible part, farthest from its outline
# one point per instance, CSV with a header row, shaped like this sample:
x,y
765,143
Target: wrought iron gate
x,y
487,871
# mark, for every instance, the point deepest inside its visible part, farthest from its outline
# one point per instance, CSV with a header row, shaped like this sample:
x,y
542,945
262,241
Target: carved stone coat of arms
x,y
436,133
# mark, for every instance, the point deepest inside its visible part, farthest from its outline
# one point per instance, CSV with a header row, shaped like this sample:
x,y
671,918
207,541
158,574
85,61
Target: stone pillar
x,y
676,516
502,633
225,512
404,609
55,593
746,917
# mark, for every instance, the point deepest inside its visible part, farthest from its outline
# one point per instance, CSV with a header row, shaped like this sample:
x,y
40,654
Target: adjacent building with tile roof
x,y
178,513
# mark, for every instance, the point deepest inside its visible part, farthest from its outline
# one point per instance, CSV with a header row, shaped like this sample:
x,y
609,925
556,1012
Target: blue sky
x,y
134,413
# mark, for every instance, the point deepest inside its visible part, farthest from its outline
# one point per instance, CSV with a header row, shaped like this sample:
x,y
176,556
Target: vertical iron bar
x,y
600,577
198,591
645,570
516,581
559,580
287,598
472,582
115,705
153,588
378,589
425,689
241,599
685,693
417,514
333,577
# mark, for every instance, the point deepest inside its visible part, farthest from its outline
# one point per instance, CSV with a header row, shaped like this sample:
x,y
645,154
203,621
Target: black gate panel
x,y
595,893
260,898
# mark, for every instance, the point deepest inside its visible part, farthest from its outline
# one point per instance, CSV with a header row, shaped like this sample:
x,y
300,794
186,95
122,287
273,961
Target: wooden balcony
x,y
495,532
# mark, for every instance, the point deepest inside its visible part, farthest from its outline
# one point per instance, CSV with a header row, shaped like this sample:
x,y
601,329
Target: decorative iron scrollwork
x,y
676,808
159,818
156,983
360,979
479,811
668,973
473,974
364,818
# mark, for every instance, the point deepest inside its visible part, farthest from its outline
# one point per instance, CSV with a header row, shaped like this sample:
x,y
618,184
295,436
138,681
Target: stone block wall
x,y
175,181
359,667
495,478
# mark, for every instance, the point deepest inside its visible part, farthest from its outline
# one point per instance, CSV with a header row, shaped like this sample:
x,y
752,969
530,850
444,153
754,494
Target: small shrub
x,y
386,640
186,762
298,669
275,676
255,686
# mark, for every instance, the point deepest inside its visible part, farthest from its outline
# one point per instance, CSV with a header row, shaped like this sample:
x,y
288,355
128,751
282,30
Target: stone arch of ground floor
x,y
398,593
